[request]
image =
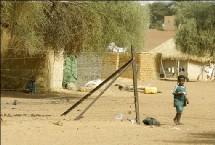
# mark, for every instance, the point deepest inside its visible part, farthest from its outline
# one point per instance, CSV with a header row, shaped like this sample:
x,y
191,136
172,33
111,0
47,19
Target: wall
x,y
48,68
169,23
174,63
18,67
148,65
196,69
124,58
110,63
193,69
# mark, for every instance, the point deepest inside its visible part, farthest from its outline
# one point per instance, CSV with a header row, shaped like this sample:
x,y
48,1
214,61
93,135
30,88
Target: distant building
x,y
169,23
172,59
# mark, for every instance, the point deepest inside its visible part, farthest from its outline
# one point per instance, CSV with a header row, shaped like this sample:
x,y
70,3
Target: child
x,y
180,99
31,86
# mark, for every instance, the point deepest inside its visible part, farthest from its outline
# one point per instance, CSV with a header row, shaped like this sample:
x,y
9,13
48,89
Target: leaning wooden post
x,y
95,89
111,82
136,101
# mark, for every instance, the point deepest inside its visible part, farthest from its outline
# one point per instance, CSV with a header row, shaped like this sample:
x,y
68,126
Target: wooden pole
x,y
164,73
178,66
99,86
94,100
136,101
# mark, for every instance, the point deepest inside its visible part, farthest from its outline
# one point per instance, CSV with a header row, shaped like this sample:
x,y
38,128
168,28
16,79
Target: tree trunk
x,y
55,60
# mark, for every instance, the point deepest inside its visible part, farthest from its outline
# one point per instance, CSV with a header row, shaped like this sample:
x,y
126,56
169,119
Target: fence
x,y
53,69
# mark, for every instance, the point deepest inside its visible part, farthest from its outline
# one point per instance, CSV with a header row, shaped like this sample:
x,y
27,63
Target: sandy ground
x,y
32,120
155,38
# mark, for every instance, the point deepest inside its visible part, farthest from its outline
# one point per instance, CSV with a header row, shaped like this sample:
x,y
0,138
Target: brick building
x,y
169,23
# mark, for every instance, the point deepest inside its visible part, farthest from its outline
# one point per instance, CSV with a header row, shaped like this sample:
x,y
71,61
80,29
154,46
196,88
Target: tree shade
x,y
73,26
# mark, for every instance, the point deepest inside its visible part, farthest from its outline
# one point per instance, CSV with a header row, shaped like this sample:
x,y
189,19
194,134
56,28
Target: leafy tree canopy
x,y
74,25
158,11
196,27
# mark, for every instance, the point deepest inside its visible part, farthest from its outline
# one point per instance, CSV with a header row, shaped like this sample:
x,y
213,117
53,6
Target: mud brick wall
x,y
148,65
110,64
17,69
124,58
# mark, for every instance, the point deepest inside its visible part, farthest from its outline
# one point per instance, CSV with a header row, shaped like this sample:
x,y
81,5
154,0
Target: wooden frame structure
x,y
112,78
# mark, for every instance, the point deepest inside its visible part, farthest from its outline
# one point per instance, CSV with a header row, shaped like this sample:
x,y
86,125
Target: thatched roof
x,y
169,52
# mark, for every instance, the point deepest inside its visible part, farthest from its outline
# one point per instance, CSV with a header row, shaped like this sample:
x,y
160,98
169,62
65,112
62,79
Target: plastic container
x,y
119,117
151,90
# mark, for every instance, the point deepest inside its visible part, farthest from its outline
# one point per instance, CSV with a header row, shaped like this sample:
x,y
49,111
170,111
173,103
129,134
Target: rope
x,y
15,77
21,58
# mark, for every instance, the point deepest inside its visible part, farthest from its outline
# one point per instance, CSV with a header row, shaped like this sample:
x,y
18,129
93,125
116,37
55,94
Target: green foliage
x,y
91,26
158,11
196,23
75,25
124,23
26,22
6,14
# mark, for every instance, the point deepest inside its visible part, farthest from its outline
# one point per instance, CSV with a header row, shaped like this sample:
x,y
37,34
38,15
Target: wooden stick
x,y
99,86
94,100
163,68
135,86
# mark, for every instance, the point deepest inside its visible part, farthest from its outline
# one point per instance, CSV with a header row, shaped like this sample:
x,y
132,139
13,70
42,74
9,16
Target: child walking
x,y
180,99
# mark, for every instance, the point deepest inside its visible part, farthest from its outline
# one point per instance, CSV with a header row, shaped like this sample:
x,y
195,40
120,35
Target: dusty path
x,y
30,121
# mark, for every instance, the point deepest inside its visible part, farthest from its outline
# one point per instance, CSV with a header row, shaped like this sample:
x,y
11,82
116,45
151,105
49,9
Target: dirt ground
x,y
155,38
35,119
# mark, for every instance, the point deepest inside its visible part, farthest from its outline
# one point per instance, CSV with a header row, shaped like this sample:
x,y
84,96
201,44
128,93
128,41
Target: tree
x,y
196,27
158,11
25,21
74,25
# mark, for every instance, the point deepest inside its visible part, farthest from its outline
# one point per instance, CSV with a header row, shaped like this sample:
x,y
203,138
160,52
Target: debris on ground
x,y
151,121
89,86
59,123
119,117
15,102
71,86
129,87
175,128
133,121
145,89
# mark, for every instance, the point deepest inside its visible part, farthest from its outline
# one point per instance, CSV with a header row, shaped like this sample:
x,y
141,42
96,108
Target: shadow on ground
x,y
19,94
207,138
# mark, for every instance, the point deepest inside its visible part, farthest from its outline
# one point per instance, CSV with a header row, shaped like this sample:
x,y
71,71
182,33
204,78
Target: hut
x,y
175,62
